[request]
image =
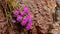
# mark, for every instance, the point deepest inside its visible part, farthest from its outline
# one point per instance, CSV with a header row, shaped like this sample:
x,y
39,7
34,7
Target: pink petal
x,y
14,21
26,10
28,27
16,12
25,21
19,18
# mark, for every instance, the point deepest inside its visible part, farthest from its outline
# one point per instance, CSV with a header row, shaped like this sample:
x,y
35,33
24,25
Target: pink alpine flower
x,y
14,21
28,19
16,12
26,10
24,21
19,18
29,26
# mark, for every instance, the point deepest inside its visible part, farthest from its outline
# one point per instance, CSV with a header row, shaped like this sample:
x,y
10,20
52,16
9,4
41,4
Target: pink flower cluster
x,y
28,19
